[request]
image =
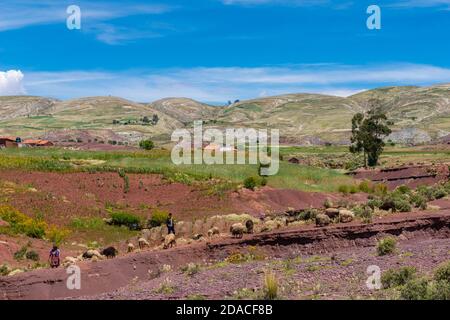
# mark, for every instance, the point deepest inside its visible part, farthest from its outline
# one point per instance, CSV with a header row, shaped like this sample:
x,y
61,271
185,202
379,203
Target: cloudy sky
x,y
219,50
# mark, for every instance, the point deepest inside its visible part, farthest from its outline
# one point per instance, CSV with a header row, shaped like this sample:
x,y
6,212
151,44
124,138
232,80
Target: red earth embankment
x,y
107,276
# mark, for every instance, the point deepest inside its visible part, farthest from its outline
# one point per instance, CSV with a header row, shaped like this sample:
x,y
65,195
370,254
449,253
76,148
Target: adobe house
x,y
9,142
37,143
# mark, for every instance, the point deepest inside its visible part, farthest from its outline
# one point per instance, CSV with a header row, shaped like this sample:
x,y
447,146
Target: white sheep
x,y
169,241
130,247
213,232
237,230
143,243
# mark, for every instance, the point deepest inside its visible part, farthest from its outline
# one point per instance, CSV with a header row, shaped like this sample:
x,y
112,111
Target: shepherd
x,y
54,257
170,224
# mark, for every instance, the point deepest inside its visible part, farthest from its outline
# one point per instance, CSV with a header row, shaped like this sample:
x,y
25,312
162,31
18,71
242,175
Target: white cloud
x,y
25,13
95,17
11,83
421,3
223,84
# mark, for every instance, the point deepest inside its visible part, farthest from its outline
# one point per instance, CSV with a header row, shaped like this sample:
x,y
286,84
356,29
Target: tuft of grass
x,y
270,286
191,268
386,246
166,287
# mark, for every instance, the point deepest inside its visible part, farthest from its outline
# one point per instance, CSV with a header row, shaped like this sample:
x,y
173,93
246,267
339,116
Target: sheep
x,y
322,220
91,253
130,247
249,225
346,216
169,241
69,261
213,231
143,243
110,252
197,237
237,230
332,212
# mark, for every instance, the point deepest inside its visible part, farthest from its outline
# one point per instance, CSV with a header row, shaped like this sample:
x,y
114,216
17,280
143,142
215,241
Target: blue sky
x,y
219,50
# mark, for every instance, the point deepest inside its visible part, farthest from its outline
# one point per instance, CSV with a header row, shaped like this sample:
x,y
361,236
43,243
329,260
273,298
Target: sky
x,y
219,50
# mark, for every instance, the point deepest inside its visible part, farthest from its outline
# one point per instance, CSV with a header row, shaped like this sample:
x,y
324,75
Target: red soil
x,y
60,197
412,176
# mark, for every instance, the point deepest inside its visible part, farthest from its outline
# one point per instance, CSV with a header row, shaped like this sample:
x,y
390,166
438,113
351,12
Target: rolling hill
x,y
420,114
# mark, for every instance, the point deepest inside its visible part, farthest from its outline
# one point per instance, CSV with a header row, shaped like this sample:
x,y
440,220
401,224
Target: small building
x,y
9,142
218,148
37,143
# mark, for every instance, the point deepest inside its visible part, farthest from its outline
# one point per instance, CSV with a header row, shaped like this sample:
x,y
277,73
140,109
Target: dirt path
x,y
108,276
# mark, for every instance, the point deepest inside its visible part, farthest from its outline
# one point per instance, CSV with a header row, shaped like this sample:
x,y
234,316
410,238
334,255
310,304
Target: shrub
x,y
270,286
439,290
365,187
20,254
395,278
158,218
147,144
380,189
364,212
386,246
35,228
250,183
125,219
403,189
396,202
57,235
439,192
375,203
236,257
426,192
443,272
402,205
419,201
32,255
308,214
4,270
416,289
353,189
344,189
263,181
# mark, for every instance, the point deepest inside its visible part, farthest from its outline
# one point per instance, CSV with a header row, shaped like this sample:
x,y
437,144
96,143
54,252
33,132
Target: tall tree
x,y
368,132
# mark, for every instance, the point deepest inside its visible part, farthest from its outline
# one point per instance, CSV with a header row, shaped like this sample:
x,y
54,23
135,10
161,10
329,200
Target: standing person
x,y
170,225
54,257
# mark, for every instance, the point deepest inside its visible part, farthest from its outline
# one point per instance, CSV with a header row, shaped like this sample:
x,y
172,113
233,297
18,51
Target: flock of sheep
x,y
237,230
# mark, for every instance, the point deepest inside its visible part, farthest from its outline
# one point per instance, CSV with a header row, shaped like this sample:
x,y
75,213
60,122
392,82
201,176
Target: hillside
x,y
420,114
185,110
91,115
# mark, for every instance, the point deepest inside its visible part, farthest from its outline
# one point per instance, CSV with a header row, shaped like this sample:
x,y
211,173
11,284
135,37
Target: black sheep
x,y
110,252
249,226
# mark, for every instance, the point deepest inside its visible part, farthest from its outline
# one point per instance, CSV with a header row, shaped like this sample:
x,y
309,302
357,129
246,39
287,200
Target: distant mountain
x,y
420,114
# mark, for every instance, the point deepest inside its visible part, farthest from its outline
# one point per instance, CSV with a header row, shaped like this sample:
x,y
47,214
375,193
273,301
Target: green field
x,y
158,161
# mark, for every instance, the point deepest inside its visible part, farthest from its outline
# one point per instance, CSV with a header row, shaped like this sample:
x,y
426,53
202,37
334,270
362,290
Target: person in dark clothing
x,y
170,225
54,257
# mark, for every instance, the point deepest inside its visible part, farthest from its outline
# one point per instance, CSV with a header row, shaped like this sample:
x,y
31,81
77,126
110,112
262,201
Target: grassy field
x,y
306,178
158,161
